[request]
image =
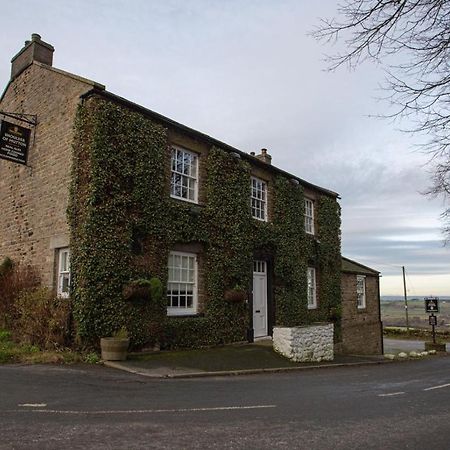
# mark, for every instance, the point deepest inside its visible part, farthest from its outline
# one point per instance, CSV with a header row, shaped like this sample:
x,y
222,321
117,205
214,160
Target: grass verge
x,y
415,334
12,352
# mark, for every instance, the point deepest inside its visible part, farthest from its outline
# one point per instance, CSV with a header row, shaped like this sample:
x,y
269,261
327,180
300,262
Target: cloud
x,y
248,74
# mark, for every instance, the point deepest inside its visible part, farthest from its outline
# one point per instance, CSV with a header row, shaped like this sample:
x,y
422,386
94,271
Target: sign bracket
x,y
30,119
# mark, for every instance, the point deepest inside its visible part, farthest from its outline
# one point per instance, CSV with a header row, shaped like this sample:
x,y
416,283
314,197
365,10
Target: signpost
x,y
432,306
14,141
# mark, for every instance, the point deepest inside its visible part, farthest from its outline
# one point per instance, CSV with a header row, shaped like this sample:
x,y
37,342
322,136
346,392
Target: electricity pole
x,y
406,300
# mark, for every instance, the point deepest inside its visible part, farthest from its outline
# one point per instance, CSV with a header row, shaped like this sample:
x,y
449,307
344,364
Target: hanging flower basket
x,y
235,295
135,292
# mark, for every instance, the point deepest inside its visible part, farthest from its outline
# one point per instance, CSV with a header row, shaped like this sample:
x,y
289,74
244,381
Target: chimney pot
x,y
264,156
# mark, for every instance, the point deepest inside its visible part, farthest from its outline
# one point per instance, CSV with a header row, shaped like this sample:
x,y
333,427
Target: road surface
x,y
388,406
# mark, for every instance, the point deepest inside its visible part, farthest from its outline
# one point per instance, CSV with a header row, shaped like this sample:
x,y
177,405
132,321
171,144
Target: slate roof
x,y
350,266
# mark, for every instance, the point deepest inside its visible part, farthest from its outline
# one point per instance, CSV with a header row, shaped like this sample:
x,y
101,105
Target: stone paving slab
x,y
164,365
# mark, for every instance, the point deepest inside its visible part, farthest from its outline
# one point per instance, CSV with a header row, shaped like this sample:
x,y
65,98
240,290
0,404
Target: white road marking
x,y
391,394
437,387
147,411
33,405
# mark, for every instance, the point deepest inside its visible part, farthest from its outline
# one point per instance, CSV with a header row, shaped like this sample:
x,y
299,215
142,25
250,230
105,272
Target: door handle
x,y
258,311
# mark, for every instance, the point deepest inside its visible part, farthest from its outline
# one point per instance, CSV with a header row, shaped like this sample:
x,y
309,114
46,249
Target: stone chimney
x,y
34,50
264,156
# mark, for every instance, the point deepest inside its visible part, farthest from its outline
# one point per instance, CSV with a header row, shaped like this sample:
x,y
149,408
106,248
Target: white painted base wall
x,y
311,343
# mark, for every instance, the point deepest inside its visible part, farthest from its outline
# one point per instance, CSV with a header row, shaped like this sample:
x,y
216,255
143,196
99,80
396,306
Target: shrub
x,y
13,281
91,358
122,333
6,266
5,336
42,319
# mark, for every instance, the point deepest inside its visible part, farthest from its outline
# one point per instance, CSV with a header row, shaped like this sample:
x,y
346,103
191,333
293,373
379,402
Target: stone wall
x,y
306,343
33,198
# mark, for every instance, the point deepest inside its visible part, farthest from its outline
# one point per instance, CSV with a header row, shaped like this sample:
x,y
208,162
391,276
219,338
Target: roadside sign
x,y
431,304
432,320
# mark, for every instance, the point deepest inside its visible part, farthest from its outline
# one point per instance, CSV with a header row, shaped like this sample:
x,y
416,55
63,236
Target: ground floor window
x,y
311,279
182,284
63,288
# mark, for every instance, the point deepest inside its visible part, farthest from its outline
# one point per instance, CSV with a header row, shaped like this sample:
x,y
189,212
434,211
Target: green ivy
x,y
116,152
123,225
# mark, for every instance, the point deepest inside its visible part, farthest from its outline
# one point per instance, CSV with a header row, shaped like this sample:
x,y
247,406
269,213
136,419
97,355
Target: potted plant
x,y
236,295
115,348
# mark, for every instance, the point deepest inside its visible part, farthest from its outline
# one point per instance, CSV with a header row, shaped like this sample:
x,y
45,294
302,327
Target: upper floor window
x,y
311,283
259,199
63,288
309,216
182,284
361,291
184,175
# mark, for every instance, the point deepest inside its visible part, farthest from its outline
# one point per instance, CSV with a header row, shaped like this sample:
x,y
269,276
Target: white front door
x,y
260,298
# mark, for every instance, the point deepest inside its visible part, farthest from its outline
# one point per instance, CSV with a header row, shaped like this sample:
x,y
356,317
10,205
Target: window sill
x,y
259,220
192,202
184,315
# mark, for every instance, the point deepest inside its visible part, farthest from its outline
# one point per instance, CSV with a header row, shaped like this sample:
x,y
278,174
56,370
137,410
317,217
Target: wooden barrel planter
x,y
114,349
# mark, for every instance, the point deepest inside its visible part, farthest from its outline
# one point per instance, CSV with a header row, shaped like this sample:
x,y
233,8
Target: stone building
x,y
362,331
112,191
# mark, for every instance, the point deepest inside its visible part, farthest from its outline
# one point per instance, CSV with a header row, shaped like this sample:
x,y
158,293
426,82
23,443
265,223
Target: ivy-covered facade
x,y
141,222
239,245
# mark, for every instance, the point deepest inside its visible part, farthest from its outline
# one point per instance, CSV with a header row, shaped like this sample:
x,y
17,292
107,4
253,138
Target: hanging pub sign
x,y
431,304
14,141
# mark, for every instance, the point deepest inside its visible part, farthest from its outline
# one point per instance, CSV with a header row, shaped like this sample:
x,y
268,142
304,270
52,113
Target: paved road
x,y
389,406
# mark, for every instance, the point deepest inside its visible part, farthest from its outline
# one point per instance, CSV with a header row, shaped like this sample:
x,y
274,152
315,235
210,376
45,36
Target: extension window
x,y
311,286
361,291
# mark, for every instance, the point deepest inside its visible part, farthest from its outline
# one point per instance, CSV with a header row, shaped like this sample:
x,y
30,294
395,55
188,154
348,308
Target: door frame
x,y
268,258
261,284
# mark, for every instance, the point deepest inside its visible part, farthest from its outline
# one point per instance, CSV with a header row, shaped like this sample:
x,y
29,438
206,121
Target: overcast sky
x,y
247,73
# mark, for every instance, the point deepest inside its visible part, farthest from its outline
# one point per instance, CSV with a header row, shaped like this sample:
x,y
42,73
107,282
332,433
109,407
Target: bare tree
x,y
411,38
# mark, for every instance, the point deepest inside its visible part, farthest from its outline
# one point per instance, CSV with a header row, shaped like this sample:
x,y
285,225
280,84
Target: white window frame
x,y
178,310
63,271
258,199
361,291
309,216
311,287
190,178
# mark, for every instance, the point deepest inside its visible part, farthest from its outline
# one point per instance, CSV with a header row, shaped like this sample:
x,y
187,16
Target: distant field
x,y
393,314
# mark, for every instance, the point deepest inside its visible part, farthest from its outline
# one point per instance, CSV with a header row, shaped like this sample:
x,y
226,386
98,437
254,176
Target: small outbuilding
x,y
362,329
